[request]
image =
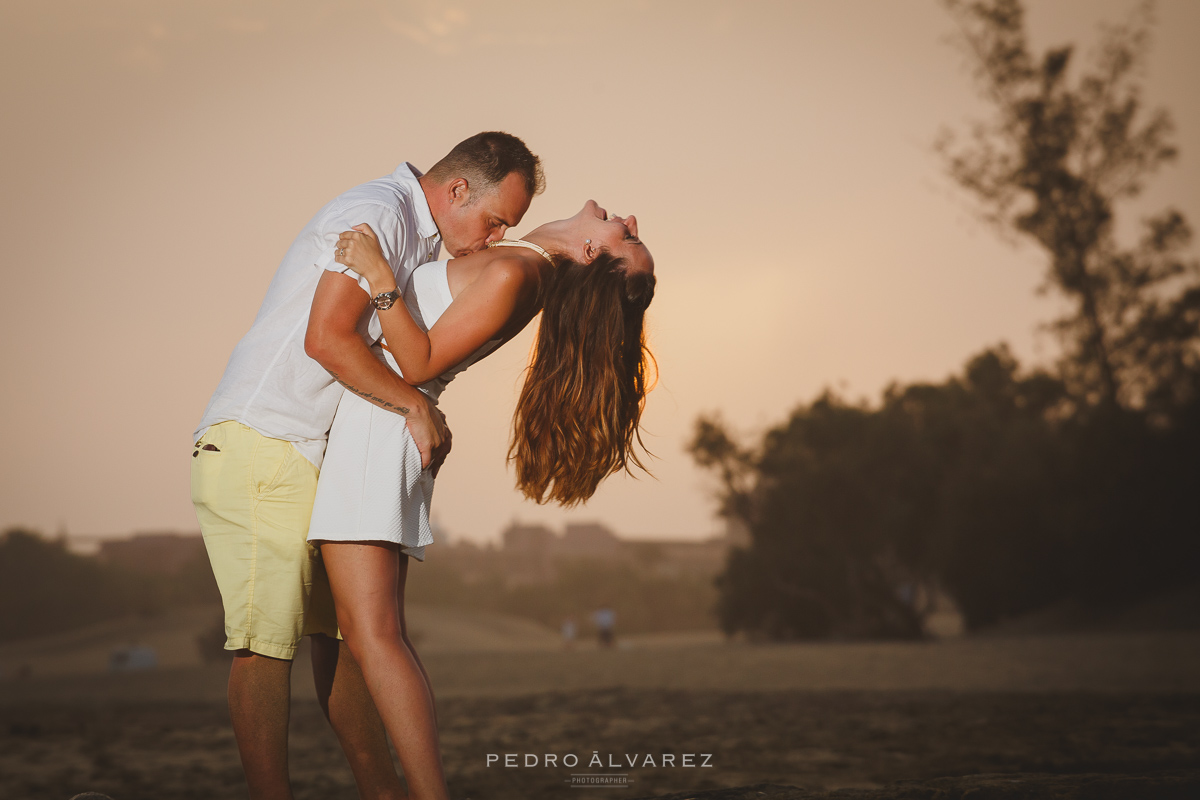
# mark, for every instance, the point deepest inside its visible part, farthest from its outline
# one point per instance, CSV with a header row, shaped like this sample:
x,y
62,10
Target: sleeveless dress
x,y
372,486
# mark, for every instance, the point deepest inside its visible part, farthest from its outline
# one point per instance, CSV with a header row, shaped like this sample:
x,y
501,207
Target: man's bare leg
x,y
352,714
368,584
259,705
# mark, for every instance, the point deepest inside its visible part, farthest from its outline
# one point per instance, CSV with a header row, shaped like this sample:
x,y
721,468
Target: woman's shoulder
x,y
510,268
500,273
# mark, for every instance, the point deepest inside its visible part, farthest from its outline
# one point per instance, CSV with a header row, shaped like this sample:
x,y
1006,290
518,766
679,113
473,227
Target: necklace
x,y
522,243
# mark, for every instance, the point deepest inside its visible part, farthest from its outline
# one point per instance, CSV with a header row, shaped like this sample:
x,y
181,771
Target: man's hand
x,y
428,429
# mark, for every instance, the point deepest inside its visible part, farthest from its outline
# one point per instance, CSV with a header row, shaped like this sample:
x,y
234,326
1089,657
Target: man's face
x,y
473,219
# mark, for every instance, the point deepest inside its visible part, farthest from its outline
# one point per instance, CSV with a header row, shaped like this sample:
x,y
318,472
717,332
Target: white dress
x,y
372,486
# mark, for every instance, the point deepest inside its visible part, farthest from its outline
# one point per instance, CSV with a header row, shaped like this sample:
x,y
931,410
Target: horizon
x,y
81,543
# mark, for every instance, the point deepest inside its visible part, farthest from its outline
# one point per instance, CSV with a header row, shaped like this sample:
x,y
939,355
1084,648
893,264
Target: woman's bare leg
x,y
408,642
367,580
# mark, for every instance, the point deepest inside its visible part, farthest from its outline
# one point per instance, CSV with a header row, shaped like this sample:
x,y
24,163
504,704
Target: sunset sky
x,y
159,158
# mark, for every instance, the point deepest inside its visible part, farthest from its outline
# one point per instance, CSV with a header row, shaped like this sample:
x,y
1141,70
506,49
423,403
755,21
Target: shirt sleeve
x,y
387,223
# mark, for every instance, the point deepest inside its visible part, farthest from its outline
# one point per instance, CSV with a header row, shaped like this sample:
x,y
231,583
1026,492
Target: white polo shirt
x,y
270,383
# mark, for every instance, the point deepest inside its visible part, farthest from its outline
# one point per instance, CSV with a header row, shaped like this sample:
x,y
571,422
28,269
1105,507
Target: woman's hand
x,y
359,249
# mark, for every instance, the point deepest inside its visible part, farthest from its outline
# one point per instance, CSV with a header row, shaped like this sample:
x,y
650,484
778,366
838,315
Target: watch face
x,y
383,301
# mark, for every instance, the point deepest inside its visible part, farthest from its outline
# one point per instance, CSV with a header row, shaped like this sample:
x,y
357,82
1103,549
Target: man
x,y
261,440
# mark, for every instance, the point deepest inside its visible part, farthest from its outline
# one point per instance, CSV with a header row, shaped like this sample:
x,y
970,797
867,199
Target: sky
x,y
158,159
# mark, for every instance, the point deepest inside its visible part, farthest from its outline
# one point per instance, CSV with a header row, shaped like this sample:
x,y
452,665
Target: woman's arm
x,y
479,312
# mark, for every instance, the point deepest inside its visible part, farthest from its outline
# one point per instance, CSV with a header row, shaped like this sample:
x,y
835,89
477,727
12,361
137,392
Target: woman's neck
x,y
549,240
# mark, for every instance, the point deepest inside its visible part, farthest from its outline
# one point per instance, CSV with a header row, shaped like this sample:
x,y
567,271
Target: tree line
x,y
46,589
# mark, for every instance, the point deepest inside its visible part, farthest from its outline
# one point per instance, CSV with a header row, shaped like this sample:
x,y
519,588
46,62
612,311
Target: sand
x,y
1098,715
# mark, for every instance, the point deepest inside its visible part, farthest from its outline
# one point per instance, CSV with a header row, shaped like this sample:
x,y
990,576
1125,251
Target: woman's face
x,y
618,235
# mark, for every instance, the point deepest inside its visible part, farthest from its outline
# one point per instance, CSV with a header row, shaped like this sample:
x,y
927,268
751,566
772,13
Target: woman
x,y
575,423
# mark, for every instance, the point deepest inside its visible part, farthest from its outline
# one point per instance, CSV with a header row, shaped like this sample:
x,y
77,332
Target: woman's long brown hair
x,y
577,418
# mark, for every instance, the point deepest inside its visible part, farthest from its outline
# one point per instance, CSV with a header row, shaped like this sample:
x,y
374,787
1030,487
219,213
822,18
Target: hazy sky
x,y
159,158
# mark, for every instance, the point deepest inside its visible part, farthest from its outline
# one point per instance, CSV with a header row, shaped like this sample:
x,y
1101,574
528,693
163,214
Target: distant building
x,y
527,538
472,562
531,554
526,554
164,553
591,540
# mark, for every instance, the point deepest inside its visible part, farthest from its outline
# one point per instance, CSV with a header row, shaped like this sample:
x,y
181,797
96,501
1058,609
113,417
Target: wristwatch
x,y
384,300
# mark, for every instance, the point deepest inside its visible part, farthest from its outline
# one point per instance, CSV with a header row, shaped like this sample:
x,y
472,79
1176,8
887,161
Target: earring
x,y
587,241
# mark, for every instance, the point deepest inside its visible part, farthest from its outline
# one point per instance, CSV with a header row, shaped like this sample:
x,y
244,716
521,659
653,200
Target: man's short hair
x,y
486,159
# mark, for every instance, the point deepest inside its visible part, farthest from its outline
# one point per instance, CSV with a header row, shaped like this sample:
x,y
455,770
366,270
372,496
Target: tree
x,y
818,498
1051,165
1010,490
857,513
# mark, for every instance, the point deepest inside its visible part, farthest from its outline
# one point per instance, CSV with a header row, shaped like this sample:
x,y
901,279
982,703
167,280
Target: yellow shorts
x,y
253,497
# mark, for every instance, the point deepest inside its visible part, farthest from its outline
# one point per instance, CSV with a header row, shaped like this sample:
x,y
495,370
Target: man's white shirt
x,y
270,383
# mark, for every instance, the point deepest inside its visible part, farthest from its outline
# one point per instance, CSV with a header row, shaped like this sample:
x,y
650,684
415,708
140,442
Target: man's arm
x,y
478,314
333,341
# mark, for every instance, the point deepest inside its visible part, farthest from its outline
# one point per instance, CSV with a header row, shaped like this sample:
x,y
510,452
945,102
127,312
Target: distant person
x,y
132,657
569,631
259,446
576,421
605,620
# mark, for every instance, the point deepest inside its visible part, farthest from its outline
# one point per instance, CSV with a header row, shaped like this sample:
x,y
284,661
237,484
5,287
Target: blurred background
x,y
927,327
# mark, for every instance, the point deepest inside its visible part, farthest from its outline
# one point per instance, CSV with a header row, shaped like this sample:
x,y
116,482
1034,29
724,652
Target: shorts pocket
x,y
273,461
213,439
211,464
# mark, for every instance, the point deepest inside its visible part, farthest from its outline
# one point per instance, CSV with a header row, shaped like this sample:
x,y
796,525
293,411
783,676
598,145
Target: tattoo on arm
x,y
368,396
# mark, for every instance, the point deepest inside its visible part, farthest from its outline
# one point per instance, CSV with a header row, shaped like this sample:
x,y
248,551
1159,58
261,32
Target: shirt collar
x,y
426,227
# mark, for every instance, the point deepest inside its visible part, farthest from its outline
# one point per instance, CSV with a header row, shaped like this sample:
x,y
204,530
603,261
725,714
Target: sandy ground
x,y
822,717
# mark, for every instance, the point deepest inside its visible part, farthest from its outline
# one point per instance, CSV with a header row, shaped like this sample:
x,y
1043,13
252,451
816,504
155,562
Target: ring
x,y
342,252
